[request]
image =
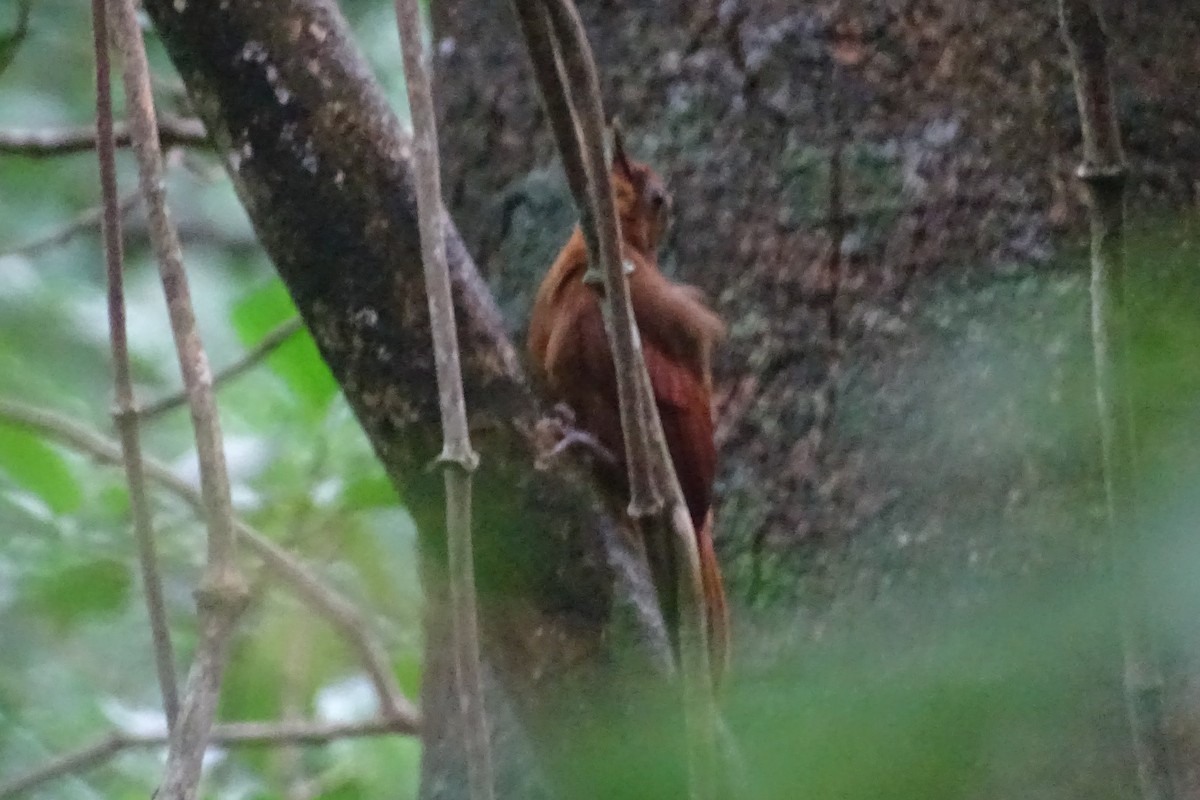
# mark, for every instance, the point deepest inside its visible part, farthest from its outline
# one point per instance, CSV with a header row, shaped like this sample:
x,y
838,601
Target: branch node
x,y
125,414
1102,174
223,591
646,507
462,457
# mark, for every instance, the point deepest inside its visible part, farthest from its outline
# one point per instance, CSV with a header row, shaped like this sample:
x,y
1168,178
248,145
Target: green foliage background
x,y
75,661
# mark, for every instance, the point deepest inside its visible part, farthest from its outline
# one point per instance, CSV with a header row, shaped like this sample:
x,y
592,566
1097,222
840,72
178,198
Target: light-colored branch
x,y
193,362
457,458
336,609
172,131
583,88
223,592
1103,173
268,345
548,73
233,734
656,500
126,421
84,221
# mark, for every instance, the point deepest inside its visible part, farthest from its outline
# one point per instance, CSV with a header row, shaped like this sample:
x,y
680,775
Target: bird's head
x,y
643,202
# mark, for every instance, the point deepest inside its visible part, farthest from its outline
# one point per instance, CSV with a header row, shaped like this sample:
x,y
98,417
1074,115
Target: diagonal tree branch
x,y
582,89
457,458
84,221
232,734
1104,173
275,338
342,615
172,131
126,420
222,593
656,500
550,76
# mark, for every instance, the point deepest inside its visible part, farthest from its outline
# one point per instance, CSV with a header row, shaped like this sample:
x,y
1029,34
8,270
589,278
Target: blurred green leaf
x,y
250,688
373,491
375,767
113,500
80,591
348,789
38,468
407,668
380,545
297,361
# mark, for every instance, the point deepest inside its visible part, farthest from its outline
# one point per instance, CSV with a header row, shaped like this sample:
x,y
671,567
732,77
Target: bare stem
x,y
1103,172
222,593
127,423
173,132
457,458
336,609
826,396
84,221
548,72
234,734
567,79
583,88
274,339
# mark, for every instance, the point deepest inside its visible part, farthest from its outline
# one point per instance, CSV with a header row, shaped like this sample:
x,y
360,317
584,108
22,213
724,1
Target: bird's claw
x,y
556,434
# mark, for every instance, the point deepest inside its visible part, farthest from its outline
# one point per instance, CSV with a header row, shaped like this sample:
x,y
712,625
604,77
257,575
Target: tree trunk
x,y
323,169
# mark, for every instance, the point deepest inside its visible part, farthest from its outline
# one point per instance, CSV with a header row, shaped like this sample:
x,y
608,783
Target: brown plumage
x,y
570,350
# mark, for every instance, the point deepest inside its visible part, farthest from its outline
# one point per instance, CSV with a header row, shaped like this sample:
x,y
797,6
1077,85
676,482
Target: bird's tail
x,y
716,609
665,574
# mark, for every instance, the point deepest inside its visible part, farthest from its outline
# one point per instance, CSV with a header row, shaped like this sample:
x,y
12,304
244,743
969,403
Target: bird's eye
x,y
658,198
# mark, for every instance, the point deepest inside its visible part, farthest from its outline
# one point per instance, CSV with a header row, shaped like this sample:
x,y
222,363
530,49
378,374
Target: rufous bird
x,y
572,359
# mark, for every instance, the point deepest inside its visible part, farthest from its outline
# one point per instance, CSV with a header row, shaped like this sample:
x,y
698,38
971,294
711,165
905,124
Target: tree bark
x,y
323,168
737,104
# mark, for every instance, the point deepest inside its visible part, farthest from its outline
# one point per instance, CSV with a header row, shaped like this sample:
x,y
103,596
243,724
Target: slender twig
x,y
565,66
172,132
837,234
336,609
583,90
126,420
826,396
274,339
242,734
1103,173
222,592
84,221
548,72
457,458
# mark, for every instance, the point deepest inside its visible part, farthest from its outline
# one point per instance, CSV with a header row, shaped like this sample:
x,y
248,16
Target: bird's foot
x,y
556,433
